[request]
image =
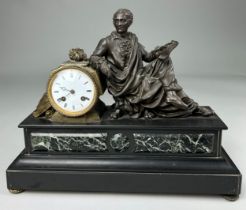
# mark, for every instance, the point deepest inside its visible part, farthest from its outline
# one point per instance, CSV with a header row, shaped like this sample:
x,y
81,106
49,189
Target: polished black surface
x,y
196,135
215,176
121,168
194,122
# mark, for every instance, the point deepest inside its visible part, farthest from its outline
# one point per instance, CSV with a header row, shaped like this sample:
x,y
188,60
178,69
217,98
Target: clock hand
x,y
63,98
68,94
65,89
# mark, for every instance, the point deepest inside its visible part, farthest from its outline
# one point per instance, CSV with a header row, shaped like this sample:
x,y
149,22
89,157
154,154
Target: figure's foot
x,y
173,99
188,100
115,114
204,111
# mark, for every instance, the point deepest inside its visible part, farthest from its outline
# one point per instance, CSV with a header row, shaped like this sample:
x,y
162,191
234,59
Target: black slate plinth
x,y
125,174
182,155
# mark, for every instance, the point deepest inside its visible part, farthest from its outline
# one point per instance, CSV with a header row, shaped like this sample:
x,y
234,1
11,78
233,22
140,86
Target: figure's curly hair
x,y
126,12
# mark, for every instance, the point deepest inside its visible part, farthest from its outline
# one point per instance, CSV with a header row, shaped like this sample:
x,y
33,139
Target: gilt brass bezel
x,y
59,109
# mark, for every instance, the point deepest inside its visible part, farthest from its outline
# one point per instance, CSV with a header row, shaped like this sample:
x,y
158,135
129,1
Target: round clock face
x,y
72,92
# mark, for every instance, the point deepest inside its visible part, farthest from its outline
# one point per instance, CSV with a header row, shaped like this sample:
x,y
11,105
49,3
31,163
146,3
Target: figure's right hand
x,y
105,69
100,64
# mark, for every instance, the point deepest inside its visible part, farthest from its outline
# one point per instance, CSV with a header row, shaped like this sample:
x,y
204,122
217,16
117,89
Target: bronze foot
x,y
231,197
16,191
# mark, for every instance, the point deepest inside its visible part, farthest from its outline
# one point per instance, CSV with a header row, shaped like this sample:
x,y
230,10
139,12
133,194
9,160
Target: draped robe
x,y
136,88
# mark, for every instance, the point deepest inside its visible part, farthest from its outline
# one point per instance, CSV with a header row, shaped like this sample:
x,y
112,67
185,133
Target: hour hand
x,y
64,89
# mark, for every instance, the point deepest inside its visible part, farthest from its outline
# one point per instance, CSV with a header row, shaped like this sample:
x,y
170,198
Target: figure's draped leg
x,y
171,103
158,94
174,92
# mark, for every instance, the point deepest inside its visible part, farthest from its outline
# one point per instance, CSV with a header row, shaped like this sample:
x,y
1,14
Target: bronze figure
x,y
140,91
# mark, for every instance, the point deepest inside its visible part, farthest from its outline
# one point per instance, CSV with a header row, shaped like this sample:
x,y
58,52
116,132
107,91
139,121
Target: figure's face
x,y
121,23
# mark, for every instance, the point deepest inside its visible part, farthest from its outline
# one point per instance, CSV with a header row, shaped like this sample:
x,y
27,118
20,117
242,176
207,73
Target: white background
x,y
35,37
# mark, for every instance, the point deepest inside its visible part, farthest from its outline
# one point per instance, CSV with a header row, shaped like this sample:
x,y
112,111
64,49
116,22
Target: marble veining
x,y
174,143
119,142
85,142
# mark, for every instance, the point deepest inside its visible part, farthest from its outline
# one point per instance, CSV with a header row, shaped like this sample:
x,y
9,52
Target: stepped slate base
x,y
178,156
215,176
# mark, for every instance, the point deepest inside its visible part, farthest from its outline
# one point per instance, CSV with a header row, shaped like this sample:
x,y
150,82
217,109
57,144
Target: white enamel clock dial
x,y
72,92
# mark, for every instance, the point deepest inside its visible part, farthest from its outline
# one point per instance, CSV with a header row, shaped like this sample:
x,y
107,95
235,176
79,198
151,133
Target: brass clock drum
x,y
72,91
72,94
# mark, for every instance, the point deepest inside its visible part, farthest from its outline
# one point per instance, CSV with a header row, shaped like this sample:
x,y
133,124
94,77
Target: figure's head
x,y
122,20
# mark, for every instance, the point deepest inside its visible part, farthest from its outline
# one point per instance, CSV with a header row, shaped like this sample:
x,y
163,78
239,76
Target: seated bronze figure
x,y
140,91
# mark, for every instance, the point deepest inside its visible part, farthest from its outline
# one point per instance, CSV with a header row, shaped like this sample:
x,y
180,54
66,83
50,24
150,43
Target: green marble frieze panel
x,y
174,143
120,143
65,142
